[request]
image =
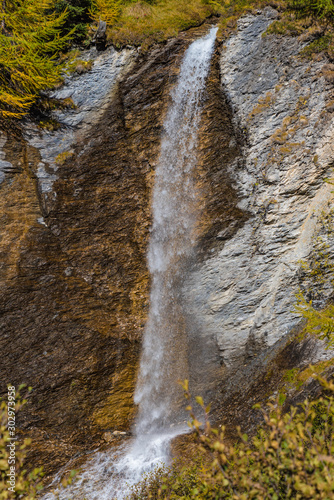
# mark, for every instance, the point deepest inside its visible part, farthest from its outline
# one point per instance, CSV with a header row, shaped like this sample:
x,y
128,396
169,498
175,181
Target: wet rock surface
x,y
245,293
74,283
89,96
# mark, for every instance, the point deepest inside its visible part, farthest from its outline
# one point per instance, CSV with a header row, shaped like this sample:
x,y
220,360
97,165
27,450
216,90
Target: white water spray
x,y
175,210
164,357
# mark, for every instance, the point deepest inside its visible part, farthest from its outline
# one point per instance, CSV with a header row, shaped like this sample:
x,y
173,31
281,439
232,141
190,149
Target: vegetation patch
x,y
29,44
315,9
49,124
283,27
143,23
317,277
77,19
28,484
303,375
321,44
178,481
105,10
312,21
319,323
291,457
318,271
294,379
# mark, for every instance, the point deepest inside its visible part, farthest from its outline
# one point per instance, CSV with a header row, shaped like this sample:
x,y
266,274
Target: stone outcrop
x,y
244,292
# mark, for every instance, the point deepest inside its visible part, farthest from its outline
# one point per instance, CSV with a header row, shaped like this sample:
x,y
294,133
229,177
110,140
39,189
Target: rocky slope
x,y
75,218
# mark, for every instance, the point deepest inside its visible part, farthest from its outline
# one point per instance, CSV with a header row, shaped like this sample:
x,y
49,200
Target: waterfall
x,y
173,237
164,355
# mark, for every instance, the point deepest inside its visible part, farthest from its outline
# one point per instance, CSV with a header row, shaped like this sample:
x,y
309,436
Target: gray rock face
x,y
90,93
4,164
245,293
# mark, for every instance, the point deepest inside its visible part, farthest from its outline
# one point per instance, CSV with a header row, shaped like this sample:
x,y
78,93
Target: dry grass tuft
x,y
144,24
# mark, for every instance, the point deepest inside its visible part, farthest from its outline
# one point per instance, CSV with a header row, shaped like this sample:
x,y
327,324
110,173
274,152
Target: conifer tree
x,y
29,43
78,16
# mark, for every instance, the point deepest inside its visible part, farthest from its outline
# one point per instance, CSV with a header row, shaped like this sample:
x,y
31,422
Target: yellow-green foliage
x,y
142,23
291,457
313,20
319,271
29,43
175,482
288,25
320,323
296,378
105,10
322,44
27,484
319,268
318,9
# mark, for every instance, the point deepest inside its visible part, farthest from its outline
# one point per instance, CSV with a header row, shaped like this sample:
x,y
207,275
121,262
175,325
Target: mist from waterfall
x,y
164,358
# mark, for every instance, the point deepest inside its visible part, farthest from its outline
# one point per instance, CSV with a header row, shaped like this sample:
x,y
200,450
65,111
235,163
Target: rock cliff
x,y
75,218
245,292
74,224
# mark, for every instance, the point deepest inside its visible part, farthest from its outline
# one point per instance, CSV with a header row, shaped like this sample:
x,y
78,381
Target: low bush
x,y
105,10
175,482
291,457
318,9
77,17
319,323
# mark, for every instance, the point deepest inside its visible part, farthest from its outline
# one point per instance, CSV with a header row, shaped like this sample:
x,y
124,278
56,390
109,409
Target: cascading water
x,y
164,357
175,210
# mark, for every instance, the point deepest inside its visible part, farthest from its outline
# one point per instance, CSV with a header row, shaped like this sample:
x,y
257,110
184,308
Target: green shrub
x,y
29,44
320,9
105,10
174,482
318,45
320,323
77,17
291,457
